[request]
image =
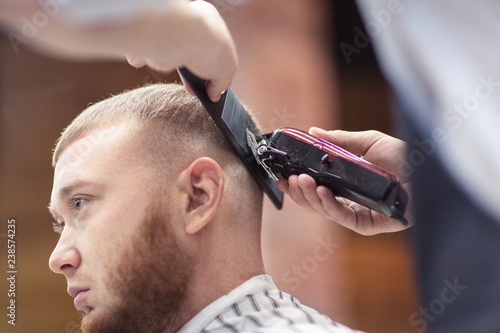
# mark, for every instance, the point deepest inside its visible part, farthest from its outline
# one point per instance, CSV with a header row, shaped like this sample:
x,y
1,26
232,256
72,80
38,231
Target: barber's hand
x,y
185,33
203,44
378,148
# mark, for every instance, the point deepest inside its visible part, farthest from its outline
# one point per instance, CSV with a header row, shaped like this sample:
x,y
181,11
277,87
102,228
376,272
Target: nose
x,y
65,259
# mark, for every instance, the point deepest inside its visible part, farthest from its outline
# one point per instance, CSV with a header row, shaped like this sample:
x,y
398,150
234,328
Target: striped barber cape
x,y
259,306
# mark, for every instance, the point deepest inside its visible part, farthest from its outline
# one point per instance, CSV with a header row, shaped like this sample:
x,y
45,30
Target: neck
x,y
221,267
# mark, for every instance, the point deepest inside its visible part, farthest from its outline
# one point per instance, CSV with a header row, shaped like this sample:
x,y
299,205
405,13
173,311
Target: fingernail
x,y
317,130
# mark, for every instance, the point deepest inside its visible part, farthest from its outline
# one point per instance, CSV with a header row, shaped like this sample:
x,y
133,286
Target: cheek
x,y
101,259
118,216
105,238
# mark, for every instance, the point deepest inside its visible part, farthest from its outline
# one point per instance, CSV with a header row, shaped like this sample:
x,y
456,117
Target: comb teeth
x,y
236,119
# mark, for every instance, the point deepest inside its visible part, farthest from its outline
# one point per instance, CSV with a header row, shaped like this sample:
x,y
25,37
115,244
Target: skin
x,y
101,199
190,34
378,148
82,192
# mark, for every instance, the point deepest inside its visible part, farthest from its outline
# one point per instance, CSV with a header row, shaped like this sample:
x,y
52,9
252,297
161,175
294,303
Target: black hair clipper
x,y
289,151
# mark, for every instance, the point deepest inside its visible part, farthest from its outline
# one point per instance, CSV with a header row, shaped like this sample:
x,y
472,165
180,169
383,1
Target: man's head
x,y
157,214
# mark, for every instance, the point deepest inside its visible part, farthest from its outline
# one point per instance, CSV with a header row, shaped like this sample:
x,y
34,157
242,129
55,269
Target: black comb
x,y
234,121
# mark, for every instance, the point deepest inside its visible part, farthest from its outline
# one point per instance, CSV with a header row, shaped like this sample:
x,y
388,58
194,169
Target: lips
x,y
80,295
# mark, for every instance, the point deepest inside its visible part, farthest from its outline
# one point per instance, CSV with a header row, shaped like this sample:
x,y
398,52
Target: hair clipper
x,y
289,151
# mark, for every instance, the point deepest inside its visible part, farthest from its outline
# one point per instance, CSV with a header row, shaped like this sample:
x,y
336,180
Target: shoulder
x,y
273,311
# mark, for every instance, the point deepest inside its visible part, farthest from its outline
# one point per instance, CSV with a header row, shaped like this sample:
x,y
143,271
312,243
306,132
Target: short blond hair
x,y
161,108
172,124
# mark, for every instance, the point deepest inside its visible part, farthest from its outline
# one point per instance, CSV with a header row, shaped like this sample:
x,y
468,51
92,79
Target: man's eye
x,y
78,203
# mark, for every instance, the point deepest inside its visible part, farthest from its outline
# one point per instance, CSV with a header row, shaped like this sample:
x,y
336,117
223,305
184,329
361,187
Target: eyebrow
x,y
66,191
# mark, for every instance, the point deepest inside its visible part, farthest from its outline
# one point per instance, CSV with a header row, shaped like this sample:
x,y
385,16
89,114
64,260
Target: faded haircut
x,y
171,125
162,110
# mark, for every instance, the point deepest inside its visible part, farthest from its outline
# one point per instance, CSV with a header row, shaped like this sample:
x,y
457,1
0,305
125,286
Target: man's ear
x,y
202,186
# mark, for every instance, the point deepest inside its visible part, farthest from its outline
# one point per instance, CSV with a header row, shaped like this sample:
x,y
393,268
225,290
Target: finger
x,y
343,211
337,208
309,187
295,192
283,185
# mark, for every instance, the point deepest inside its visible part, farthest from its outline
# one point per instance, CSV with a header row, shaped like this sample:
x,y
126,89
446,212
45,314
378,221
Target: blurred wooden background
x,y
292,73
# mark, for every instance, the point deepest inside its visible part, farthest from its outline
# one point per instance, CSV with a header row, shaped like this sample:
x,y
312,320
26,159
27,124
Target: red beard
x,y
150,282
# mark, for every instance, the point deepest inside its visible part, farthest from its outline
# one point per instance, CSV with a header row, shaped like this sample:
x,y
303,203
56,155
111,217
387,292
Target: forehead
x,y
98,158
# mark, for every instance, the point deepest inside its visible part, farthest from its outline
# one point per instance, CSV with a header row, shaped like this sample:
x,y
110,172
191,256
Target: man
x,y
160,223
